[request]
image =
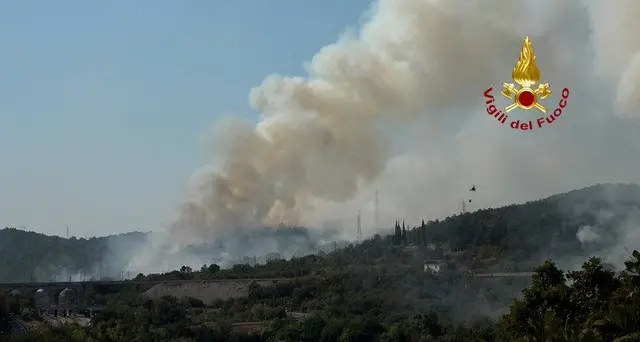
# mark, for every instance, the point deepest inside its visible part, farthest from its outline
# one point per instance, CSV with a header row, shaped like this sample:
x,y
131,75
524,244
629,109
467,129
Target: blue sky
x,y
104,105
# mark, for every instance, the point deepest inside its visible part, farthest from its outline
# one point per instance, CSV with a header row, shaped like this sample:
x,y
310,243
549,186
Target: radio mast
x,y
377,209
359,231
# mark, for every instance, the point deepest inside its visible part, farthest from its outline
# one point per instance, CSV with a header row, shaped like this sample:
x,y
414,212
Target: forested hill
x,y
30,256
566,227
595,220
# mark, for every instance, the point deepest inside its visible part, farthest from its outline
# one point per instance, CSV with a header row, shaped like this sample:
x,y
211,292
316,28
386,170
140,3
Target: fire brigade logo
x,y
526,74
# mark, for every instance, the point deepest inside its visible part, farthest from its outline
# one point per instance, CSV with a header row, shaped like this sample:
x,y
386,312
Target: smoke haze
x,y
398,106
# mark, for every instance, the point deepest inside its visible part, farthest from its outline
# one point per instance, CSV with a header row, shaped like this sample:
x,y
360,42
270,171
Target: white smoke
x,y
587,234
617,50
398,107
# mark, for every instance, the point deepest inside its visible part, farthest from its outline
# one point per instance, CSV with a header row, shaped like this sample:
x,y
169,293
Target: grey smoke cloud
x,y
399,107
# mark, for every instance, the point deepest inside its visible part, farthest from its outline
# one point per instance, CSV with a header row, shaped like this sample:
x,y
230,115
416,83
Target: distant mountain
x,y
599,220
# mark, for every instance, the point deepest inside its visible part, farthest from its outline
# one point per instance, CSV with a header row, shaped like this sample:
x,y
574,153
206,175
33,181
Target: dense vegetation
x,y
378,291
591,304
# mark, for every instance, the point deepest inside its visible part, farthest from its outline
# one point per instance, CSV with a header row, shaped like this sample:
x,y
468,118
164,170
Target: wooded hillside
x,y
515,237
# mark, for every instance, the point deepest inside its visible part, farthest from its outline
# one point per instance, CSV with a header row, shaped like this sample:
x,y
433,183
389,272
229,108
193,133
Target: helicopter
x,y
473,189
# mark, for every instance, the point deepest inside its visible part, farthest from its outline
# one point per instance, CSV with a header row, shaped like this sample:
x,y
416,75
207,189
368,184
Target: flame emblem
x,y
526,74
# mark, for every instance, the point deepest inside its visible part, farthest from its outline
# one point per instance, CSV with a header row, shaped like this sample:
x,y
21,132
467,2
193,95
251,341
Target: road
x,y
16,326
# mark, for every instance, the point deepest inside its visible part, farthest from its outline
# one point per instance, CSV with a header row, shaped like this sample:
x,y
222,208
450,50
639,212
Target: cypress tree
x,y
404,233
397,235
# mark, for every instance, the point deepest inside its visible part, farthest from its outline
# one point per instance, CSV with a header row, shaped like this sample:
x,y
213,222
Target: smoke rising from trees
x,y
398,106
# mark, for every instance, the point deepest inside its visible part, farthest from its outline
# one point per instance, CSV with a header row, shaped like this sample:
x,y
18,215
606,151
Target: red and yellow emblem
x,y
526,74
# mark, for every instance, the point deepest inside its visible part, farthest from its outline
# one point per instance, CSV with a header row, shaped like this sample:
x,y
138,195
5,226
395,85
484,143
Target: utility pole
x,y
359,230
100,267
377,209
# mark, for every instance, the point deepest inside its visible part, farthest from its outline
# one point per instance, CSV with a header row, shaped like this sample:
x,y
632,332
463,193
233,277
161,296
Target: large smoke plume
x,y
397,106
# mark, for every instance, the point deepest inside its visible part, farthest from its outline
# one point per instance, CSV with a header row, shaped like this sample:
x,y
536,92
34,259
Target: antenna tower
x,y
464,206
67,231
359,231
377,209
101,265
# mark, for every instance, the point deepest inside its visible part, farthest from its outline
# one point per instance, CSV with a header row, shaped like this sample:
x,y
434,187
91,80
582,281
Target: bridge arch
x,y
66,297
41,297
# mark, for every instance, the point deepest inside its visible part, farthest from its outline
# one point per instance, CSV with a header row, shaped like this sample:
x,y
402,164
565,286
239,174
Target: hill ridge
x,y
516,234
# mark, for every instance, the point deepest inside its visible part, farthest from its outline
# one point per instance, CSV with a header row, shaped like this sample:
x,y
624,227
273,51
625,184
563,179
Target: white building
x,y
434,266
